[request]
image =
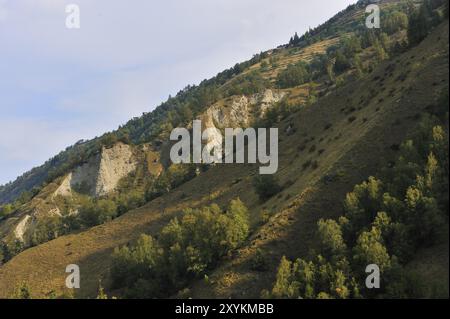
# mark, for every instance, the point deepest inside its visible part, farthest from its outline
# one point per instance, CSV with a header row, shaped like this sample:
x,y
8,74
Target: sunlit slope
x,y
367,117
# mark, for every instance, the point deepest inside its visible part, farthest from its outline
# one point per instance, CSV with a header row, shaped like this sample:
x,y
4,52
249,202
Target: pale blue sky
x,y
59,85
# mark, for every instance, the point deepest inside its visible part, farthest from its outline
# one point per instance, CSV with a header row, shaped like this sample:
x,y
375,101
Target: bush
x,y
185,249
5,210
259,261
331,238
129,201
370,249
22,291
362,205
319,279
394,22
47,229
419,25
248,84
96,212
342,63
293,75
266,186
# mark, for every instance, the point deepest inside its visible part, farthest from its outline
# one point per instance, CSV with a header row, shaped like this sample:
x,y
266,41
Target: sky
x,y
60,85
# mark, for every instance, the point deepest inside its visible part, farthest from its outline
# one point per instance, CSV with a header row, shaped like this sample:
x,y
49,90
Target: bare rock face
x,y
267,99
22,227
241,110
115,163
97,177
101,174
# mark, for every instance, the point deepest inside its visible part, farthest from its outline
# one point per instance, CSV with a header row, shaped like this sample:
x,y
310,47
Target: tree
x,y
385,42
406,169
370,249
47,229
239,216
419,25
283,287
378,228
266,186
264,65
331,238
396,236
101,292
304,278
249,83
293,75
259,261
357,64
296,39
362,205
380,51
342,63
339,284
349,46
424,215
185,249
140,261
5,210
96,212
440,156
394,22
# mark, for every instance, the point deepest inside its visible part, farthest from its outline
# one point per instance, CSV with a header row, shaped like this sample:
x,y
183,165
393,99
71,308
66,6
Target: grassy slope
x,y
352,152
354,157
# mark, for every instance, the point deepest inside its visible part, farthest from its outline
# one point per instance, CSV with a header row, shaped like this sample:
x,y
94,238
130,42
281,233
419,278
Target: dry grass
x,y
360,150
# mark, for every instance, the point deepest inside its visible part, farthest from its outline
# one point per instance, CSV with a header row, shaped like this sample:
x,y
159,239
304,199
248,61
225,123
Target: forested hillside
x,y
362,179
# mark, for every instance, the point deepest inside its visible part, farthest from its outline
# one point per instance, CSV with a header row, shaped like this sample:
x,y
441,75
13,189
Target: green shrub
x,y
185,249
266,186
259,261
96,212
293,75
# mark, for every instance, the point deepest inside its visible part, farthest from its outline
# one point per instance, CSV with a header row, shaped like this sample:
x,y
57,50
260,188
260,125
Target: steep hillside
x,y
344,100
191,101
351,152
98,177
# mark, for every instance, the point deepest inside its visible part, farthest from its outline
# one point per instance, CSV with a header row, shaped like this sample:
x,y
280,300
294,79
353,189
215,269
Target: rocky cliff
x,y
101,174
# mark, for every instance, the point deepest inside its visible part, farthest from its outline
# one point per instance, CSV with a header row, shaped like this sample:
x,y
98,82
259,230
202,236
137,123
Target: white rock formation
x,y
22,227
239,112
102,173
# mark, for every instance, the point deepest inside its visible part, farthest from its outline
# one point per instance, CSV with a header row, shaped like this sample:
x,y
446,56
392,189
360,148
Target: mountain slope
x,y
352,150
191,101
336,129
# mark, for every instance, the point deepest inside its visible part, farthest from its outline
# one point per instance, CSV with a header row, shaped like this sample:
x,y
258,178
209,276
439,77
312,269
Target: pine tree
x,y
331,239
419,25
282,287
358,66
296,39
101,292
369,249
381,52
